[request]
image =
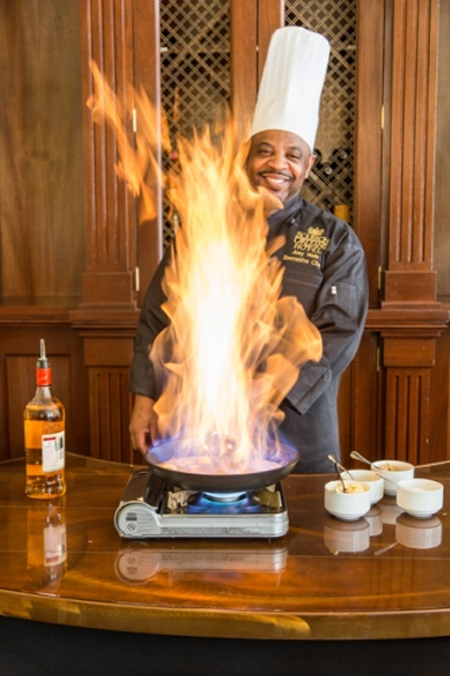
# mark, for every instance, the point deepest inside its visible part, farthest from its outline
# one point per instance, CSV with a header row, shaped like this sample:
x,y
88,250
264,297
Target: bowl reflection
x,y
389,510
418,534
341,536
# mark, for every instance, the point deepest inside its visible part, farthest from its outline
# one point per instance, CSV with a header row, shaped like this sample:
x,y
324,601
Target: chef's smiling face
x,y
279,161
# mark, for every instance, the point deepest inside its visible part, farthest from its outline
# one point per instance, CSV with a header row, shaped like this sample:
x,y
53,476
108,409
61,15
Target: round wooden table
x,y
76,598
385,576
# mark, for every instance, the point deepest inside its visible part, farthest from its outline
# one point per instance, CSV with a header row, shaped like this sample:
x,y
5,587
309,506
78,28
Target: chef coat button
x,y
334,290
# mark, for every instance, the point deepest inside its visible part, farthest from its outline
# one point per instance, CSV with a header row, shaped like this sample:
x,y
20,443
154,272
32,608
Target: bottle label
x,y
43,377
53,447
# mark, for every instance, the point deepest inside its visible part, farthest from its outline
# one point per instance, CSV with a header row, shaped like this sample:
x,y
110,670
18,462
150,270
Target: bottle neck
x,y
43,392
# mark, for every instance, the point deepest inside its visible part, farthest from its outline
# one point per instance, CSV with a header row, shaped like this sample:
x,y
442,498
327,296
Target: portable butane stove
x,y
151,507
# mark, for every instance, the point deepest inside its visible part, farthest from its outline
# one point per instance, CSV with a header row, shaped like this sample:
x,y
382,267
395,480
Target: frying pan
x,y
285,456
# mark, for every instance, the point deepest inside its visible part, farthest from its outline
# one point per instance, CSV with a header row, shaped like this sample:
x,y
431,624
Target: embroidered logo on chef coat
x,y
308,246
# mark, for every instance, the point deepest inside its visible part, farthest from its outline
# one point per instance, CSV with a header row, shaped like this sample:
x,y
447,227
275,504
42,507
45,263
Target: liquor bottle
x,y
44,418
46,542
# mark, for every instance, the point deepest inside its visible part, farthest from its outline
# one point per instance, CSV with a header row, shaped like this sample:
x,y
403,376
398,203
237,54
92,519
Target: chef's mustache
x,y
275,173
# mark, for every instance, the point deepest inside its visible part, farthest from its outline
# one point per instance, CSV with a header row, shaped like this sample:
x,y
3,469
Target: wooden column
x,y
147,77
107,39
270,18
368,135
252,24
121,36
243,60
409,278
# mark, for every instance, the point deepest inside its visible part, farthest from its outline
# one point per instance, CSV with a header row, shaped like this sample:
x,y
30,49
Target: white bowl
x,y
392,472
348,506
367,476
420,497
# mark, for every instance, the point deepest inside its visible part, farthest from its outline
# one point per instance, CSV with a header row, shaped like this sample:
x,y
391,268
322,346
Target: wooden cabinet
x,y
76,261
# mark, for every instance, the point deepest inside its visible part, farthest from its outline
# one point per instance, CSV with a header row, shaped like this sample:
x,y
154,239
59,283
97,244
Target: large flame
x,y
233,348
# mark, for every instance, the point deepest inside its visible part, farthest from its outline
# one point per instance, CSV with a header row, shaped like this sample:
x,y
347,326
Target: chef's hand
x,y
143,424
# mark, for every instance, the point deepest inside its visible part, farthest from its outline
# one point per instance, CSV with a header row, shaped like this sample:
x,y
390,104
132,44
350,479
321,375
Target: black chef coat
x,y
325,270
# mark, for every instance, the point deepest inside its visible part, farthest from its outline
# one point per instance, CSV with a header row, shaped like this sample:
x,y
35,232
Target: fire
x,y
234,347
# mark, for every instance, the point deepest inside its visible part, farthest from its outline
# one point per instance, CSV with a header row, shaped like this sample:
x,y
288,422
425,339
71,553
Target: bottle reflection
x,y
46,542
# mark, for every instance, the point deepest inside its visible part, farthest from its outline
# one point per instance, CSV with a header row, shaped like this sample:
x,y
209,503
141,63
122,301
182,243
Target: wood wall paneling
x,y
110,408
408,351
407,414
358,404
41,157
439,427
106,349
442,199
108,345
408,344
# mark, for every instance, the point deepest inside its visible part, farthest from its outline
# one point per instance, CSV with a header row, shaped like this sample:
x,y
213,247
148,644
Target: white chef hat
x,y
292,81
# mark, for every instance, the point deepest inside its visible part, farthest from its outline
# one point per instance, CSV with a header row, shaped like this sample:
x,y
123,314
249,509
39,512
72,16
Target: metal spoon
x,y
339,469
357,456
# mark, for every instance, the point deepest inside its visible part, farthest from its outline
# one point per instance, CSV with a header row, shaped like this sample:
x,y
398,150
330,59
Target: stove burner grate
x,y
223,503
224,497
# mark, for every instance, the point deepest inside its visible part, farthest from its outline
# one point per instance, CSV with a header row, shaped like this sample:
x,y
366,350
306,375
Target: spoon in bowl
x,y
340,469
357,456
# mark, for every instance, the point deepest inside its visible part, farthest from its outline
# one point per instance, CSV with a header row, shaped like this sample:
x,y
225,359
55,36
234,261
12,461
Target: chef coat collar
x,y
280,219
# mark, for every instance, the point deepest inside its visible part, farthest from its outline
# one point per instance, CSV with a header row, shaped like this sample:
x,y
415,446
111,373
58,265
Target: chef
x,y
323,259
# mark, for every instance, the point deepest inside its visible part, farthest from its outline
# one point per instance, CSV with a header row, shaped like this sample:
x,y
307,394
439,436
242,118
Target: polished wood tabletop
x,y
62,561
